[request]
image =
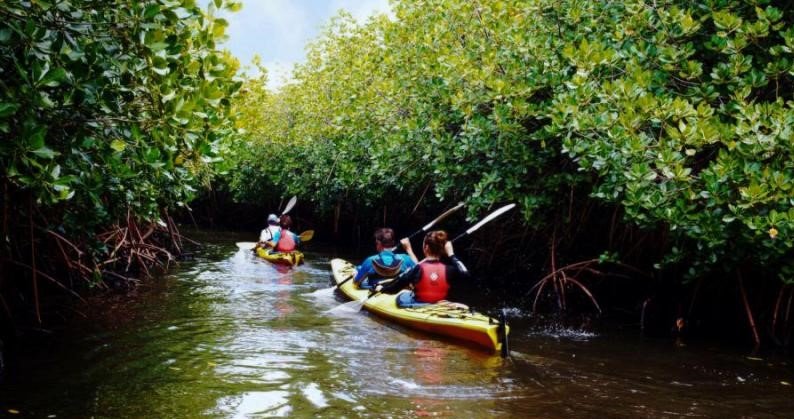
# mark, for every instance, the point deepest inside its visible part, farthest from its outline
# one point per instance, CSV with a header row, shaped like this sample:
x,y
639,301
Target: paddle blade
x,y
348,307
443,216
490,217
290,204
306,235
246,245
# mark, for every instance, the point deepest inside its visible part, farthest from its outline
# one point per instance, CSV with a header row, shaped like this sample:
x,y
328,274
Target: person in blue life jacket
x,y
430,279
268,233
284,240
385,264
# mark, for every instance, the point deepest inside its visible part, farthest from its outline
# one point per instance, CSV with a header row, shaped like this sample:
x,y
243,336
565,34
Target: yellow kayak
x,y
443,318
281,258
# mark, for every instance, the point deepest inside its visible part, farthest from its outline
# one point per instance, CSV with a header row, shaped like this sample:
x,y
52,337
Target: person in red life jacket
x,y
285,240
431,277
385,264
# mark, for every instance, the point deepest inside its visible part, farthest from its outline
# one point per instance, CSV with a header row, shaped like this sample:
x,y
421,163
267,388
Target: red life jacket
x,y
432,286
285,243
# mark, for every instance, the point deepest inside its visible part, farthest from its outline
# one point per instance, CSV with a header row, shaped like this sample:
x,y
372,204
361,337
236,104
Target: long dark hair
x,y
435,241
285,222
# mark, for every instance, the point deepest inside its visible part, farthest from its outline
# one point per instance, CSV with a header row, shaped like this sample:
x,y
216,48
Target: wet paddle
x,y
446,214
492,216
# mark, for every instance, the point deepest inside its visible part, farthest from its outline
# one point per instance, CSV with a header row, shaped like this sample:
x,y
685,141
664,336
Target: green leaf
x,y
45,152
36,139
54,77
151,11
5,35
8,109
118,145
234,6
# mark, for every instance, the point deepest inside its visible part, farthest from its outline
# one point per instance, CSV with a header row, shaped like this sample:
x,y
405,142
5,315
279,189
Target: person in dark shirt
x,y
430,279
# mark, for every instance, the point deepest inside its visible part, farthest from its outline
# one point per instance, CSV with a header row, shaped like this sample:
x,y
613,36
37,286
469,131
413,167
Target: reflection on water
x,y
230,335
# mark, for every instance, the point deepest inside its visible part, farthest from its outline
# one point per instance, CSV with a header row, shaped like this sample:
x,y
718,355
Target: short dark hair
x,y
285,222
385,236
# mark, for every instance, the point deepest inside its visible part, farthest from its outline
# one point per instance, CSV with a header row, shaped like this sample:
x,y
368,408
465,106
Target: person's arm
x,y
410,276
275,239
406,242
457,265
363,270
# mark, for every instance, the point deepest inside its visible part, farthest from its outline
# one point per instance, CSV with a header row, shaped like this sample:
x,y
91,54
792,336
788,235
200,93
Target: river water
x,y
229,335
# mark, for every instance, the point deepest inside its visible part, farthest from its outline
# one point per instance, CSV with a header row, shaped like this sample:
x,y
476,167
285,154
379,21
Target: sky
x,y
278,30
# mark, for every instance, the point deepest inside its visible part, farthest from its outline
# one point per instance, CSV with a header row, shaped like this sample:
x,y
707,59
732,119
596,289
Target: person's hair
x,y
435,241
285,222
385,236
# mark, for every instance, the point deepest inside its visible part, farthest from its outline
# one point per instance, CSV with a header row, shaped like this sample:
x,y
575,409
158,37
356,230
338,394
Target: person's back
x,y
285,240
430,279
385,264
268,234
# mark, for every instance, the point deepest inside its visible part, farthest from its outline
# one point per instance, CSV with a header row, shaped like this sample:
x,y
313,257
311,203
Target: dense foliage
x,y
678,112
675,115
110,112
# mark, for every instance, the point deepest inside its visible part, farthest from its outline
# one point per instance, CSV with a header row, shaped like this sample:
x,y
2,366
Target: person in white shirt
x,y
269,233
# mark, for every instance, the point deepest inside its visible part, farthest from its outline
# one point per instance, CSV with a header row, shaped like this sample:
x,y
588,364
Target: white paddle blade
x,y
490,218
348,307
246,245
442,216
290,204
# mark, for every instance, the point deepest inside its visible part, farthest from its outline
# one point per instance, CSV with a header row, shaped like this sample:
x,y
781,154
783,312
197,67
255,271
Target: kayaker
x,y
269,233
431,277
384,264
285,240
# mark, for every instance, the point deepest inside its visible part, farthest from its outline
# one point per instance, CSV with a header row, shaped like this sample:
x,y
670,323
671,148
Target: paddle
x,y
472,229
305,236
245,245
290,204
485,221
439,218
446,214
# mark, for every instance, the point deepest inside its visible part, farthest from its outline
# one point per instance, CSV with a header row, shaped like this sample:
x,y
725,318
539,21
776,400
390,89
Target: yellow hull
x,y
287,258
447,319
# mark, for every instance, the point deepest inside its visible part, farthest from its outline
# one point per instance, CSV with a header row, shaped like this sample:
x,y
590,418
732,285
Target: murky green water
x,y
228,335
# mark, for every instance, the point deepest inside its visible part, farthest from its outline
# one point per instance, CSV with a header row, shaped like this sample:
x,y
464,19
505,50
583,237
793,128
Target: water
x,y
229,335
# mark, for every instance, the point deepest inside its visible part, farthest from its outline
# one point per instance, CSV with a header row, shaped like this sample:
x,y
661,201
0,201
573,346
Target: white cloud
x,y
288,21
278,30
279,73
